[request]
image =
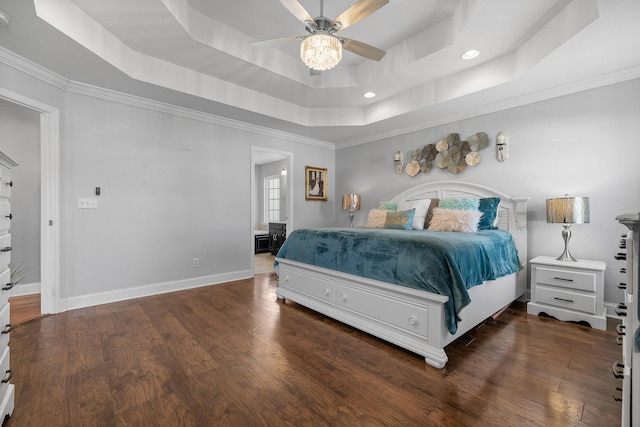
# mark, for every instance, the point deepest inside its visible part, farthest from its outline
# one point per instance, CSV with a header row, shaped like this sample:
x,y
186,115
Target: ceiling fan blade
x,y
363,49
357,11
297,10
274,42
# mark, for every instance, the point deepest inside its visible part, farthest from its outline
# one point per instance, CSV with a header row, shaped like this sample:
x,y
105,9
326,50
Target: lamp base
x,y
351,213
566,255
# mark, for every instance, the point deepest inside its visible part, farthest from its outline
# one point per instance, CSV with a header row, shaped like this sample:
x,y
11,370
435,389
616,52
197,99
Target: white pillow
x,y
453,220
421,206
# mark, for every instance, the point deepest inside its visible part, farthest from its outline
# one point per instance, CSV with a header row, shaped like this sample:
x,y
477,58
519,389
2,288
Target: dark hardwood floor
x,y
24,308
231,355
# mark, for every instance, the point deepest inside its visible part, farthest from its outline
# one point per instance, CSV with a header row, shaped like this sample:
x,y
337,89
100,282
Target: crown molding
x,y
163,107
519,101
31,68
28,67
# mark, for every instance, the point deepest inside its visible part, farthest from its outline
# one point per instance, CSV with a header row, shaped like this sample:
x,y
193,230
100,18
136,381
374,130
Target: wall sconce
x,y
502,148
352,203
398,160
284,172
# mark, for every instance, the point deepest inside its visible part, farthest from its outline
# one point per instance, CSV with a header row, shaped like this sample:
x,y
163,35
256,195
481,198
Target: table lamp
x,y
351,202
567,211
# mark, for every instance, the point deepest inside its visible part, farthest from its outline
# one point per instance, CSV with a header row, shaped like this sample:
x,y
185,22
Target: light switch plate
x,y
87,203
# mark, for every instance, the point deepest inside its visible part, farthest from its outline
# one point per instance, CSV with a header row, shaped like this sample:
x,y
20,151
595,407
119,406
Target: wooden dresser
x,y
628,369
7,390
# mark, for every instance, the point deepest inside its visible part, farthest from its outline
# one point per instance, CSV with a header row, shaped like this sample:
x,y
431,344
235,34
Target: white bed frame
x,y
410,318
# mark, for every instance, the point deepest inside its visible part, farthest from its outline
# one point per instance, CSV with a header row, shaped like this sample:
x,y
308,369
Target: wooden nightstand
x,y
570,291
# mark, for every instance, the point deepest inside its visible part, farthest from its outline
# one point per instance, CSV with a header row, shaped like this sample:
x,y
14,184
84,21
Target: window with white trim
x,y
271,198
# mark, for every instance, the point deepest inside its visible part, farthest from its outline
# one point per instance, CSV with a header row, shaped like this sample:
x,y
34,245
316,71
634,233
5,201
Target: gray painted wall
x,y
584,144
173,188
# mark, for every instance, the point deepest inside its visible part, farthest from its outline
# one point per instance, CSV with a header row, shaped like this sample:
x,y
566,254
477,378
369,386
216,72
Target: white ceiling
x,y
198,54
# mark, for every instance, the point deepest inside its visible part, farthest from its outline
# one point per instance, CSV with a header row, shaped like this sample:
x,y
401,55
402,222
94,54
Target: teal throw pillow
x,y
401,220
388,206
489,208
461,204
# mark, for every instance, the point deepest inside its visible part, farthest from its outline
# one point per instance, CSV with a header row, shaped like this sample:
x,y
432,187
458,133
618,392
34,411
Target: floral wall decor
x,y
449,153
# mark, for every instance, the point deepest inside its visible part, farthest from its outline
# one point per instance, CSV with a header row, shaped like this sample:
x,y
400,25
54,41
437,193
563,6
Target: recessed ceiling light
x,y
369,94
470,54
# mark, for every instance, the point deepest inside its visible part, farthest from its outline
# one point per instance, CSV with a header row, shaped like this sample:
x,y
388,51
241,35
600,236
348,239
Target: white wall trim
x,y
150,104
153,289
33,69
25,289
50,197
21,64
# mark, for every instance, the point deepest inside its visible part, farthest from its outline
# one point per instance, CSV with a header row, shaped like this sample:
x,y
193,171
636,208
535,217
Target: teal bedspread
x,y
446,263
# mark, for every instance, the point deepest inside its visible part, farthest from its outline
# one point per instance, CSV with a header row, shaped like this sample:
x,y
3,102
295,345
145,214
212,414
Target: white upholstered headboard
x,y
512,214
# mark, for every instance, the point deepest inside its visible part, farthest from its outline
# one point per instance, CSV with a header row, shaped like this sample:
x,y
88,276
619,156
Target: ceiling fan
x,y
321,48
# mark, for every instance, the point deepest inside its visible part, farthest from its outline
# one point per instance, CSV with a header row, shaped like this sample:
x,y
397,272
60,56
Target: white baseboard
x,y
25,289
148,290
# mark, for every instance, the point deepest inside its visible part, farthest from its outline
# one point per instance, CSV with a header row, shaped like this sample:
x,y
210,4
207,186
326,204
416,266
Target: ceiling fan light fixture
x,y
321,51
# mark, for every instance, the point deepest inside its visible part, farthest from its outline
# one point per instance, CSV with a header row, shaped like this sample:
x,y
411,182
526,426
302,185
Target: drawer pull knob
x,y
326,291
6,249
623,270
620,340
617,394
622,285
620,329
10,216
563,299
8,286
621,310
618,369
343,297
9,184
563,279
413,320
620,256
7,376
7,328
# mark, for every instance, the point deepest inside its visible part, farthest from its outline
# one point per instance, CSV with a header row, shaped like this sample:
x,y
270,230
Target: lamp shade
x,y
321,51
351,202
568,210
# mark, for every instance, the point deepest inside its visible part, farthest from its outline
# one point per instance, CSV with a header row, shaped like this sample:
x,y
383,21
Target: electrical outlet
x,y
196,262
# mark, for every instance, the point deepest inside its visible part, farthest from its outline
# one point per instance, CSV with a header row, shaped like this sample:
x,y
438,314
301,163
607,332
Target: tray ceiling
x,y
198,54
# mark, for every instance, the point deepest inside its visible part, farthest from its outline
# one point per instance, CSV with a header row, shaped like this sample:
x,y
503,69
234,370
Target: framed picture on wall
x,y
315,183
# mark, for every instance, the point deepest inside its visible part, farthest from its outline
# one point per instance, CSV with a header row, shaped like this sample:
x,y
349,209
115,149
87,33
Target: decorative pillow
x,y
432,206
421,206
376,218
402,220
489,208
388,206
465,221
462,204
